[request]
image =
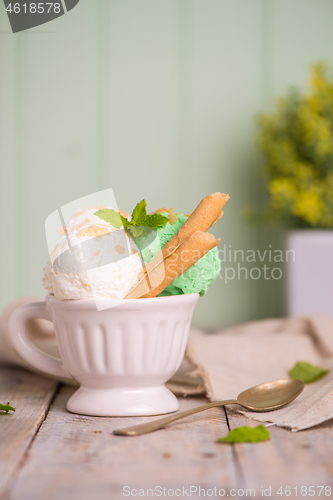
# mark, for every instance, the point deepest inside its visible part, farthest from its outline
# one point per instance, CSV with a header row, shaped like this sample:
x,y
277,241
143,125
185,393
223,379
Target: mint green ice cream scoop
x,y
199,277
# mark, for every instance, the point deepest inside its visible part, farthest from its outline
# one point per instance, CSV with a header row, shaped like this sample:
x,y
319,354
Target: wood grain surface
x,y
292,459
79,456
51,454
31,395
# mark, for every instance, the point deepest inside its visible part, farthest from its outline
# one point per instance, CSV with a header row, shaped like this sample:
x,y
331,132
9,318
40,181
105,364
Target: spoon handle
x,y
161,422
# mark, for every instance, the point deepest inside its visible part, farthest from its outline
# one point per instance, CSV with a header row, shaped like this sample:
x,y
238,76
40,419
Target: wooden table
x,y
48,453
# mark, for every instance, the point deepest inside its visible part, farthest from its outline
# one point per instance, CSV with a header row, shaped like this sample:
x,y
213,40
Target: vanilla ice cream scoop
x,y
87,216
94,261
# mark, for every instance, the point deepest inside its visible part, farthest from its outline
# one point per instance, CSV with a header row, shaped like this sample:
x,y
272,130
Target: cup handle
x,y
24,346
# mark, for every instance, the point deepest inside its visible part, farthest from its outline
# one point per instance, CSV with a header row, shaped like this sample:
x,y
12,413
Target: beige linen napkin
x,y
240,357
225,363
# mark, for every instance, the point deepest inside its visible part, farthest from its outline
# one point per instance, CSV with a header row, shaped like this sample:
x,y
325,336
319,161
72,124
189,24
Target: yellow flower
x,y
315,130
282,191
309,207
297,143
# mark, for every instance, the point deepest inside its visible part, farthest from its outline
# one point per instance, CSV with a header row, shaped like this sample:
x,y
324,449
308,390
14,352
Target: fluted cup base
x,y
123,402
120,355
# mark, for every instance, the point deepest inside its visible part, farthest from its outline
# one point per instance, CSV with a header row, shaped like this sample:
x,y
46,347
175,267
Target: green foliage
x,y
110,216
141,223
139,213
6,408
306,372
296,141
246,435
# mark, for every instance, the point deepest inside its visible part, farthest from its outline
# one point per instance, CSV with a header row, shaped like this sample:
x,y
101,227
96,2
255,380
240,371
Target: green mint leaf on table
x,y
110,216
306,372
6,408
246,435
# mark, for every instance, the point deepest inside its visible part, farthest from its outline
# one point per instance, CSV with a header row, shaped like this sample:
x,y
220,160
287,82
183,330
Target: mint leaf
x,y
246,435
124,222
6,408
110,216
139,231
141,218
156,220
135,231
306,372
141,223
139,214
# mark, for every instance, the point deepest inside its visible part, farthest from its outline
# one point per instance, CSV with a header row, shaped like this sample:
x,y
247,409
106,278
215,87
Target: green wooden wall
x,y
156,99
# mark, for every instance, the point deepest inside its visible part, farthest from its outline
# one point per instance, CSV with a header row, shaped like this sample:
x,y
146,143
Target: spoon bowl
x,y
264,397
270,395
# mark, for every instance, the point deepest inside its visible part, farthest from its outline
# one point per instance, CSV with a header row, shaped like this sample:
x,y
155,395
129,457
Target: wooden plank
x,y
31,395
293,459
78,457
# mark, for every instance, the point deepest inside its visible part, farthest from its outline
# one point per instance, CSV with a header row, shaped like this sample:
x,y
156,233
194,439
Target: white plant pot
x,y
310,272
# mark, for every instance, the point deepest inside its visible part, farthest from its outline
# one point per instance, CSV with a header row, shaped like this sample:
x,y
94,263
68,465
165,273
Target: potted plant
x,y
296,141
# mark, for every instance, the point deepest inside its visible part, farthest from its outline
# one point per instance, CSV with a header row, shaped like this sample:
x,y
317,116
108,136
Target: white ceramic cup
x,y
120,356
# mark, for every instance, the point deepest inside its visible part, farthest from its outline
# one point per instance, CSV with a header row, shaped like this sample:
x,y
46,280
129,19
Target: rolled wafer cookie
x,y
204,216
188,253
217,218
207,213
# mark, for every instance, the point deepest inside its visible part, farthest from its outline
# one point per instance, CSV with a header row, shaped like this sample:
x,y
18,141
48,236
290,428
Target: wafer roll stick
x,y
188,253
217,218
204,216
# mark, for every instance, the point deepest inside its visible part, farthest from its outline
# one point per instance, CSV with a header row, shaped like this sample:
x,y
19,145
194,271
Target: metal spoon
x,y
264,397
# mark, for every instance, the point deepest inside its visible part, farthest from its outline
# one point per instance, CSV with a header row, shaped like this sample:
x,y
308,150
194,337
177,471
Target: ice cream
x,y
106,254
85,217
93,261
199,277
184,249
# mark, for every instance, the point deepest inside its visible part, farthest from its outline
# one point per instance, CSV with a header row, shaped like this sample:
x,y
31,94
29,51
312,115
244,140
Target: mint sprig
x,y
6,408
246,435
111,216
141,223
306,372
